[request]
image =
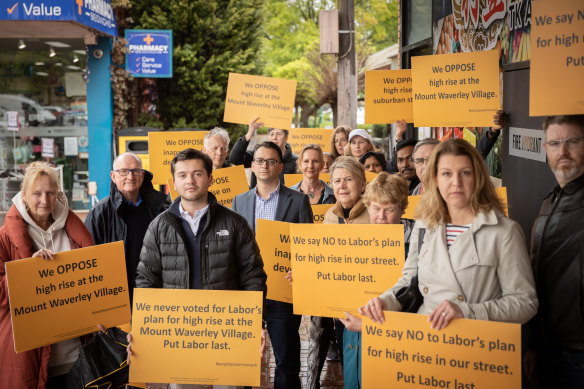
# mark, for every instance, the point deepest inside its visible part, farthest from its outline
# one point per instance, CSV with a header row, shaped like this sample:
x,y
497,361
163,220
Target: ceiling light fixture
x,y
75,58
21,44
57,44
52,53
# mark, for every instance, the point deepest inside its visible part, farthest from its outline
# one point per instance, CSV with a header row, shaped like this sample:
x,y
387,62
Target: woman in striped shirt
x,y
473,262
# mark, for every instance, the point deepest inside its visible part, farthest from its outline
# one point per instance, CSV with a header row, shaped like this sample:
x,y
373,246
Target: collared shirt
x,y
266,209
131,203
193,221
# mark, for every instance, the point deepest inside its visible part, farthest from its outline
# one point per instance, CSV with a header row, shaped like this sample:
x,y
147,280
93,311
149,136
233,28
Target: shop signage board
x,y
12,120
526,143
149,53
98,15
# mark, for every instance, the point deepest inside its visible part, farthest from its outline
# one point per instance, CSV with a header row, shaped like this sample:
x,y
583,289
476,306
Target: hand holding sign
x,y
70,294
468,354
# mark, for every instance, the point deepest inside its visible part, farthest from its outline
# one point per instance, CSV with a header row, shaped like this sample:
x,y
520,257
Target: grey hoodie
x,y
55,239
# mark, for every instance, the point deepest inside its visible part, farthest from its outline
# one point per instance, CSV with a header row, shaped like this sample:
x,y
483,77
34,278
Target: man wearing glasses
x,y
271,200
555,354
126,213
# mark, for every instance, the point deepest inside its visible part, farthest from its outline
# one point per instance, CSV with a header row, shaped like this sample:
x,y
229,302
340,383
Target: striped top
x,y
452,232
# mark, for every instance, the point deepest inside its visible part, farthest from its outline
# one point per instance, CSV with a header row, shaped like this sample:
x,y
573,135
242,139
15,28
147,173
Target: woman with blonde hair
x,y
38,224
310,164
339,139
472,262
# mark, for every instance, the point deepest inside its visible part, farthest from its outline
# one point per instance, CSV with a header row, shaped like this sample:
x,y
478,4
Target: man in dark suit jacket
x,y
273,201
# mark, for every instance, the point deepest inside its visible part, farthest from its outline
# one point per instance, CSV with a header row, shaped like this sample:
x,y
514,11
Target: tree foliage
x,y
211,39
291,45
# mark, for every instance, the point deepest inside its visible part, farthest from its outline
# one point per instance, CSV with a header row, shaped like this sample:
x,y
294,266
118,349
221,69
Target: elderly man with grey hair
x,y
128,210
216,145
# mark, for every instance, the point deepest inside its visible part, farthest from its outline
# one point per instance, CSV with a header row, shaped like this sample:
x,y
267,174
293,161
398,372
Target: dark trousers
x,y
283,328
561,368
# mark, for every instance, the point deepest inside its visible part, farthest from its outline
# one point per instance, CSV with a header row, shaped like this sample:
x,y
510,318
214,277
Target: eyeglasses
x,y
570,142
125,172
223,149
261,161
420,161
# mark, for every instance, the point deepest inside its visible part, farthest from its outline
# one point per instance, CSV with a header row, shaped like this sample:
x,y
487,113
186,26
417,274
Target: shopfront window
x,y
43,114
418,21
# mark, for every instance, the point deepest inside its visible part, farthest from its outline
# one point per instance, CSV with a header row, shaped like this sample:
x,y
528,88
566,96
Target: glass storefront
x,y
43,114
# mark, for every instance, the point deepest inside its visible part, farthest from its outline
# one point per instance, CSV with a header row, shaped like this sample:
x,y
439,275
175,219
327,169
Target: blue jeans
x,y
283,328
561,368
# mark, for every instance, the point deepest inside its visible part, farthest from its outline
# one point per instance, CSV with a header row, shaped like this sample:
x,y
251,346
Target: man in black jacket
x,y
198,243
555,354
126,213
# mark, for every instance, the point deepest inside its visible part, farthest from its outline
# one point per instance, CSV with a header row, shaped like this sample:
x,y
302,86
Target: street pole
x,y
347,66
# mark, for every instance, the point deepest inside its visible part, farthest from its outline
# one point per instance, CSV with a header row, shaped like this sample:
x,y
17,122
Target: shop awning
x,y
56,18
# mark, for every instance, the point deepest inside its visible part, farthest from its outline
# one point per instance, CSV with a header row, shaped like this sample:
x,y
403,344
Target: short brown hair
x,y
577,120
387,188
36,170
432,207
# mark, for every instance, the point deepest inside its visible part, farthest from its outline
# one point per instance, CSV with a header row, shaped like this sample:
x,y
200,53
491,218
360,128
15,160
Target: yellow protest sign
x,y
170,185
228,183
369,176
388,96
459,90
347,264
556,72
502,193
273,238
272,99
67,297
414,200
318,211
164,145
412,205
300,137
404,352
219,329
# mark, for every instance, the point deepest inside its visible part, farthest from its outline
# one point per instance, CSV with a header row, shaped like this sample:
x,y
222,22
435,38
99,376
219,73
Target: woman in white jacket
x,y
473,262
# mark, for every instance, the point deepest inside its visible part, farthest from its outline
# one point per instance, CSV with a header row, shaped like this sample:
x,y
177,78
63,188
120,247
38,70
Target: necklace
x,y
311,193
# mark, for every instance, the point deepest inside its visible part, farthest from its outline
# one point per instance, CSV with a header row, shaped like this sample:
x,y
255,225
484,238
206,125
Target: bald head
x,y
125,158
